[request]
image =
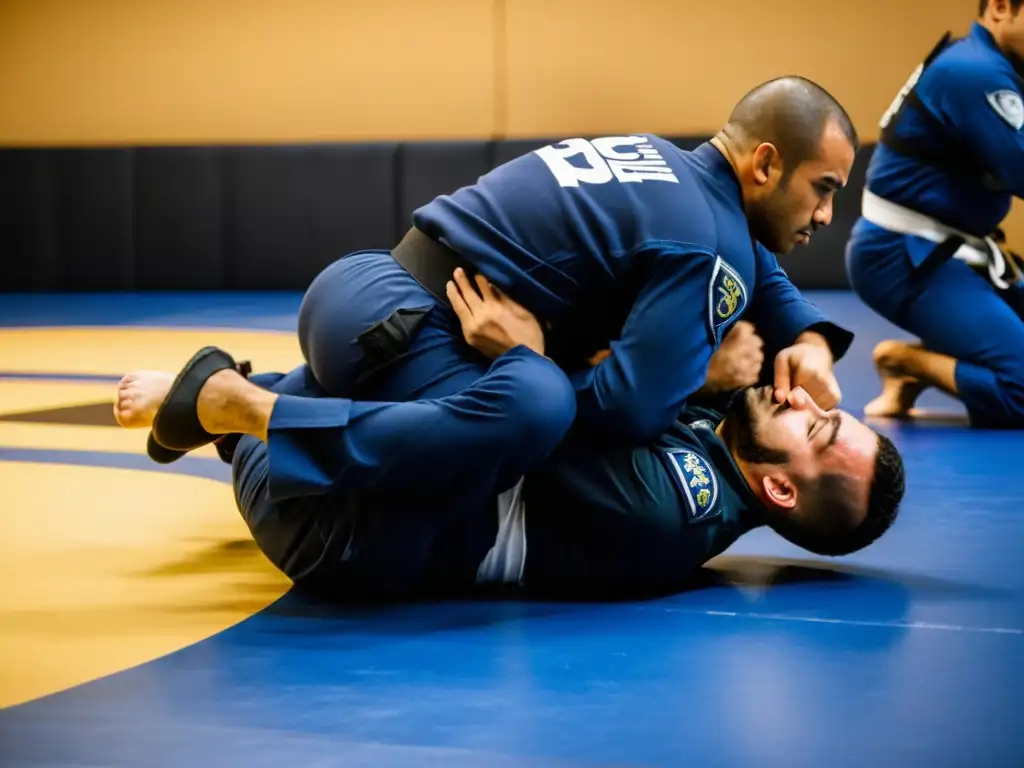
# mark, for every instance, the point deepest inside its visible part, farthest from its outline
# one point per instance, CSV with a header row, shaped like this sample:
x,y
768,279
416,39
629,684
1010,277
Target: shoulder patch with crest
x,y
698,481
1008,105
727,298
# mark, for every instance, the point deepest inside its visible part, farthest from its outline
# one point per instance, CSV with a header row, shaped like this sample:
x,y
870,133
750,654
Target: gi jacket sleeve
x,y
781,313
984,107
667,340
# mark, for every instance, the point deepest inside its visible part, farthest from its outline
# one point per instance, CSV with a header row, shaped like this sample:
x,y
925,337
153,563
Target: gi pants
x,y
348,497
954,310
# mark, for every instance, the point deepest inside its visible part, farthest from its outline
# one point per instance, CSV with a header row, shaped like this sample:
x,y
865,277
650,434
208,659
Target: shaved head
x,y
792,146
792,113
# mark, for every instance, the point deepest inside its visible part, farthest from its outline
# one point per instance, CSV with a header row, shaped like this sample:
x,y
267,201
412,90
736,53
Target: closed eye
x,y
835,423
832,423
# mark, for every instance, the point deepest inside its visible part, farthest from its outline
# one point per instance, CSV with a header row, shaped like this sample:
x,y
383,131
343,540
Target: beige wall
x,y
264,70
182,71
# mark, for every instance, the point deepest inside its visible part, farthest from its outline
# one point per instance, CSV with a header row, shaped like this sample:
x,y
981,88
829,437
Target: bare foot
x,y
897,398
227,403
899,390
139,396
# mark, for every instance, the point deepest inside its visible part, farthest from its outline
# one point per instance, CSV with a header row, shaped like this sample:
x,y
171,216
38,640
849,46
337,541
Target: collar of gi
x,y
984,38
720,168
722,172
749,510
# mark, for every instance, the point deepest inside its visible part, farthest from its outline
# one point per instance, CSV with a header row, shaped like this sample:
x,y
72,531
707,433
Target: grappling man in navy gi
x,y
367,467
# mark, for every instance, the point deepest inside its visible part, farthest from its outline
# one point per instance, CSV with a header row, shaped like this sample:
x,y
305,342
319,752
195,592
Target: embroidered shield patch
x,y
1008,105
727,298
699,483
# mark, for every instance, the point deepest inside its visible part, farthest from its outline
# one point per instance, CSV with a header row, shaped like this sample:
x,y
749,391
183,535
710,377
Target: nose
x,y
799,400
823,215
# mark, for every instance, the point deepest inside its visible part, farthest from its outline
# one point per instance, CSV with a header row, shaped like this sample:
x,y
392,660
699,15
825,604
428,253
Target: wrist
x,y
714,381
814,338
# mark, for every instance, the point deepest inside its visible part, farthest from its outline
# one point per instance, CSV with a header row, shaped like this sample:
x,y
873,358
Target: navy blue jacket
x,y
633,241
967,109
608,519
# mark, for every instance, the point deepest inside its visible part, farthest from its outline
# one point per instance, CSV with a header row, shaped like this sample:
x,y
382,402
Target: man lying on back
x,y
599,515
602,517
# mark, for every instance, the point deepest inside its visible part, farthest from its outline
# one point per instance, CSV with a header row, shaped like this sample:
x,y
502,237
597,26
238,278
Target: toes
x,y
124,408
121,415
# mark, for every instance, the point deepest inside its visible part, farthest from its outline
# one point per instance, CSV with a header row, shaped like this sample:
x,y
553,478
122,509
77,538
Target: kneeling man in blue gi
x,y
596,517
926,253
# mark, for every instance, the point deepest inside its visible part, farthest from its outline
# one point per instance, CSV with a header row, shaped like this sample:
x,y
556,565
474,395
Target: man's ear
x,y
1000,9
764,158
779,490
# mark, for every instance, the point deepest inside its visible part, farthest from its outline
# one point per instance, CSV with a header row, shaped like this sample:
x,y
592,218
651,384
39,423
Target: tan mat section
x,y
115,351
28,400
105,569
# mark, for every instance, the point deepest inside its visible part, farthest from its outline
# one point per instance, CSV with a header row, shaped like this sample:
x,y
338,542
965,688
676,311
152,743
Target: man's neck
x,y
993,29
742,468
727,147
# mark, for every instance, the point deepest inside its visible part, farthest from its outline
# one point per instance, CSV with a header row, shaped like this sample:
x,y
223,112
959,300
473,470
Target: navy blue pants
x,y
953,310
362,303
348,494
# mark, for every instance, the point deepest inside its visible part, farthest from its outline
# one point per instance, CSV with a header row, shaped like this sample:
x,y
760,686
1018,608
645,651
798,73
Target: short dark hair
x,y
823,527
790,112
983,6
1015,6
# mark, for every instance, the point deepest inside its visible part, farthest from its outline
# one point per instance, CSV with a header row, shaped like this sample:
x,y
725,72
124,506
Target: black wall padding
x,y
29,248
429,169
96,222
179,221
513,148
258,217
292,210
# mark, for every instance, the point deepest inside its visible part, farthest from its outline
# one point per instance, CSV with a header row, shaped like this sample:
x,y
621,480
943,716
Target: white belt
x,y
976,251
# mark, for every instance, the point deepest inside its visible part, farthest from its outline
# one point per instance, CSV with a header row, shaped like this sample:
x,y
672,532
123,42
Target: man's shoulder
x,y
698,480
973,83
967,66
690,463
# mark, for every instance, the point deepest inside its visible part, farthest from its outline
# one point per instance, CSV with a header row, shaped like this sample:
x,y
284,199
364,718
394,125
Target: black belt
x,y
940,254
430,262
433,264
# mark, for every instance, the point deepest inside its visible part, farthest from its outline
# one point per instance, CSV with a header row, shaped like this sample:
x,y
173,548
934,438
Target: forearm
x,y
784,317
610,403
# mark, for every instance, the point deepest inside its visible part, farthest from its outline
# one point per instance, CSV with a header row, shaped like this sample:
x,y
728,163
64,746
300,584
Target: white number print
x,y
602,160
